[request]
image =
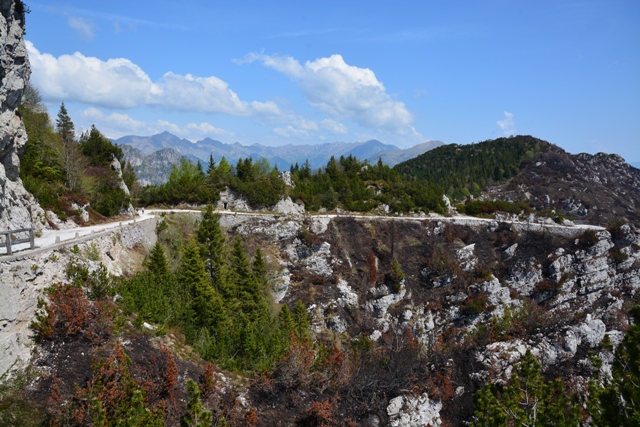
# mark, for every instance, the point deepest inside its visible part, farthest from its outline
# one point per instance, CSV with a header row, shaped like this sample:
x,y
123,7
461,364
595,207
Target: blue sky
x,y
403,72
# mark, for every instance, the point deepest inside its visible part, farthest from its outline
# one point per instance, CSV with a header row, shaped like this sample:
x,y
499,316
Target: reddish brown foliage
x,y
70,314
440,387
207,380
319,414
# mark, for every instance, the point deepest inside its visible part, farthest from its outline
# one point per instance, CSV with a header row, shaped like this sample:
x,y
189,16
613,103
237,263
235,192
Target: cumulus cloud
x,y
119,83
115,125
334,127
341,90
84,28
508,125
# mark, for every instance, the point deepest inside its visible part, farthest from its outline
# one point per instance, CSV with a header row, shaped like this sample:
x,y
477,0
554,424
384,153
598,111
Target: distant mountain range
x,y
283,156
153,156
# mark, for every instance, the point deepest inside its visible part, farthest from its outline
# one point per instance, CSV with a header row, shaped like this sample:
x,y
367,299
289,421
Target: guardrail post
x,y
32,239
9,243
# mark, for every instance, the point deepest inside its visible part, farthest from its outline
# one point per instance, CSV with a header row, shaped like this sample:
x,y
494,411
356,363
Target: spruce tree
x,y
212,248
211,167
206,308
249,294
157,262
260,271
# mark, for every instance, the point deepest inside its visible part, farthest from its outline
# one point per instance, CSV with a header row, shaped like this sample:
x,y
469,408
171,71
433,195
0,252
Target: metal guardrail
x,y
9,240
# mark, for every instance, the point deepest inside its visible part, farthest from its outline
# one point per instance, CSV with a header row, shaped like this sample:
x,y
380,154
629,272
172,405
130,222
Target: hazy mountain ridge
x,y
283,156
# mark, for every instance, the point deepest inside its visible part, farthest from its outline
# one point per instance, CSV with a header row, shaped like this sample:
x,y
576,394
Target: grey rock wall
x,y
18,208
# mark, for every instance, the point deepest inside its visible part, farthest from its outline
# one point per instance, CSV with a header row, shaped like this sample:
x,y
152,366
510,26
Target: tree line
x,y
59,168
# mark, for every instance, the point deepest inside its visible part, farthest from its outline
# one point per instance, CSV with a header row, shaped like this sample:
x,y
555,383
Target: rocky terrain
x,y
591,188
18,208
475,297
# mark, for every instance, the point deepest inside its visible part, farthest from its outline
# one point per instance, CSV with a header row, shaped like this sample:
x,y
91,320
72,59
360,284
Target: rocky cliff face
x,y
155,168
18,208
476,296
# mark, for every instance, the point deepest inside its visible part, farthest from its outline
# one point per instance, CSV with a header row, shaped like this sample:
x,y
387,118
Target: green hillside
x,y
463,170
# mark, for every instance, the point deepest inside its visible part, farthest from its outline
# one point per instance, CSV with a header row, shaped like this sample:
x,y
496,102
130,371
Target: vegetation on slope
x,y
60,169
464,170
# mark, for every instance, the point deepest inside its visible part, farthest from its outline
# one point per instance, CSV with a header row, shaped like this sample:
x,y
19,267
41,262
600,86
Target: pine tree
x,y
196,415
64,125
157,263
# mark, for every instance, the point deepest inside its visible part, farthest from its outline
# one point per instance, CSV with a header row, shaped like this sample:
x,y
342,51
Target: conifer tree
x,y
260,271
301,321
526,401
224,168
211,241
196,415
206,308
285,321
72,159
616,403
211,167
250,297
157,263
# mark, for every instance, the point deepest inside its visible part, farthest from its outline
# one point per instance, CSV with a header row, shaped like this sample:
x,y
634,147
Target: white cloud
x,y
83,27
291,132
334,127
119,83
342,90
115,125
508,125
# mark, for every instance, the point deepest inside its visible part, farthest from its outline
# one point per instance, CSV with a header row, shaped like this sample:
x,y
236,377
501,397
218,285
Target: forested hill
x,y
466,169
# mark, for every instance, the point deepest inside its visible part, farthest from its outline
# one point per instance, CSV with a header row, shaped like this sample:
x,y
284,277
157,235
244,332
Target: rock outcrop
x,y
18,208
117,168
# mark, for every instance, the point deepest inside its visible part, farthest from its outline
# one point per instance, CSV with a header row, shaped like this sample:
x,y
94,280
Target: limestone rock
x,y
230,199
414,411
117,168
18,208
288,207
286,177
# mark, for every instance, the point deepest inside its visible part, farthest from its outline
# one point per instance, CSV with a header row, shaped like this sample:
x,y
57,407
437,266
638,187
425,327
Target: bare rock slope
x,y
593,188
